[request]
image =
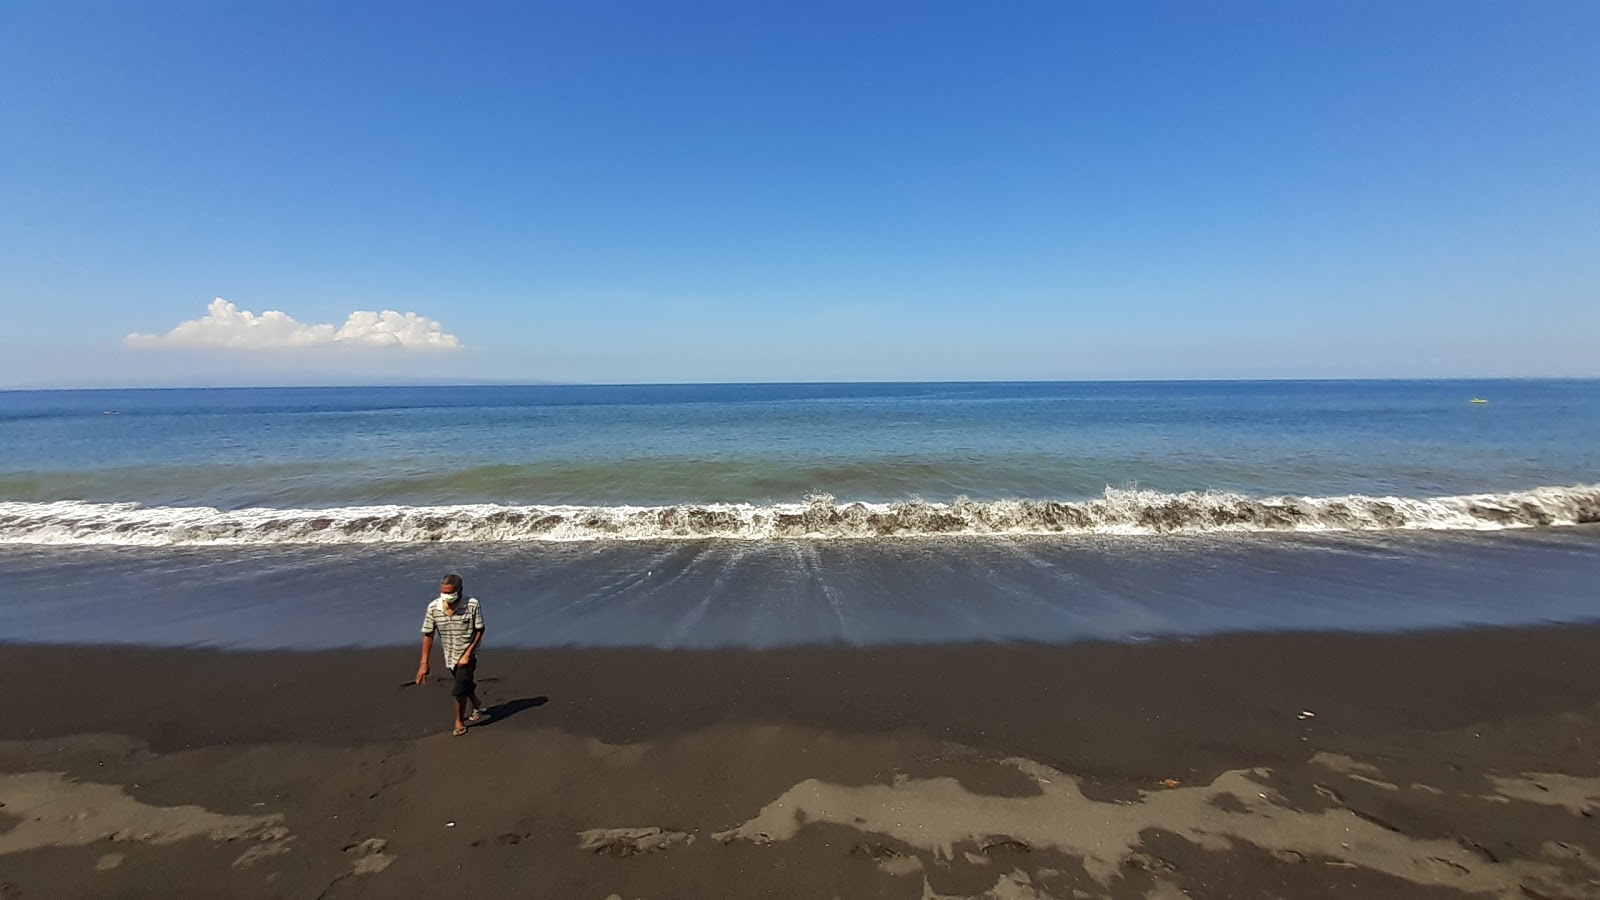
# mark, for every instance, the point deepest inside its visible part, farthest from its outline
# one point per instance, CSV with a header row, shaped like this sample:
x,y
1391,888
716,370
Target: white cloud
x,y
226,326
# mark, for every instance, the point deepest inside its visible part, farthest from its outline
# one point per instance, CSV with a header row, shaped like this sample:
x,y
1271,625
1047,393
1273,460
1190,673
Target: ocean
x,y
768,515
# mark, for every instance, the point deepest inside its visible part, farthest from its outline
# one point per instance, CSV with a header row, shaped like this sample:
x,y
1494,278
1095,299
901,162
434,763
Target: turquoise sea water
x,y
662,445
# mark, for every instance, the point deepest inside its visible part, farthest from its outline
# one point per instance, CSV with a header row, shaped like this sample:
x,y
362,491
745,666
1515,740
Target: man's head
x,y
450,587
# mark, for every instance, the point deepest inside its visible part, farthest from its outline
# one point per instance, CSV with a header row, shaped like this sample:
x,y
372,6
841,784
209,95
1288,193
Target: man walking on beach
x,y
459,624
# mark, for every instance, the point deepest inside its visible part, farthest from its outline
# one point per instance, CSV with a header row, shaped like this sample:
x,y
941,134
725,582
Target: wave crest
x,y
1119,511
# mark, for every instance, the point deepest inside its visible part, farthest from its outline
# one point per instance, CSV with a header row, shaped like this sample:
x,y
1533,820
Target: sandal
x,y
478,715
459,730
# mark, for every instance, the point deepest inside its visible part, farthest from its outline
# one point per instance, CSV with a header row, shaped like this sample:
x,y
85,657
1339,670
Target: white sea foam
x,y
1119,511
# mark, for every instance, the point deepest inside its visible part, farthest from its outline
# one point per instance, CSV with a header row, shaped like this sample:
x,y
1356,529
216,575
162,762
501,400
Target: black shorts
x,y
464,685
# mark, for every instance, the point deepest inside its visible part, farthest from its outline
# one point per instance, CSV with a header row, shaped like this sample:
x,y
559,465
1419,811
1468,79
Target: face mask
x,y
450,598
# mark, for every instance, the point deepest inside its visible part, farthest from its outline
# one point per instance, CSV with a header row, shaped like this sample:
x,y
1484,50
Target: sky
x,y
293,192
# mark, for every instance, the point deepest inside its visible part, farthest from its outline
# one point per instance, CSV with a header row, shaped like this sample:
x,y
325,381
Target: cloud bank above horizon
x,y
227,327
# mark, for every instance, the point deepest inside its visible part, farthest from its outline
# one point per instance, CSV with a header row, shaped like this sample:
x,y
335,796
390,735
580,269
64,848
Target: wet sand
x,y
1285,765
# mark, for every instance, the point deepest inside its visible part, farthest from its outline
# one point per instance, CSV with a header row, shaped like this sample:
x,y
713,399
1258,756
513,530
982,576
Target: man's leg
x,y
460,688
467,689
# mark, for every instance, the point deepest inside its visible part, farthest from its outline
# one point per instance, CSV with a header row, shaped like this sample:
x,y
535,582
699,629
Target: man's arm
x,y
427,651
477,635
466,656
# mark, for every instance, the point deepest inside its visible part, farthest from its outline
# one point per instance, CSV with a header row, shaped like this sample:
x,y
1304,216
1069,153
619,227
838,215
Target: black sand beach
x,y
1302,765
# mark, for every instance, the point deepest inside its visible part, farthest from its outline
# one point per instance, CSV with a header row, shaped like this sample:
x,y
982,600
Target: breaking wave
x,y
1119,511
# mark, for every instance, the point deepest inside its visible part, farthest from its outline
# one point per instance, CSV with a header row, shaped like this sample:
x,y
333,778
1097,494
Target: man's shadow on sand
x,y
502,711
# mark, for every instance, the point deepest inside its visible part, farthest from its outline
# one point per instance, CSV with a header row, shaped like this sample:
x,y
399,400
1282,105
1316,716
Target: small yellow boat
x,y
1479,400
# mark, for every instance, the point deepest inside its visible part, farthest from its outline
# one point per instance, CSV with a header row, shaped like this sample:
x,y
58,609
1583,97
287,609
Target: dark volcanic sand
x,y
1437,764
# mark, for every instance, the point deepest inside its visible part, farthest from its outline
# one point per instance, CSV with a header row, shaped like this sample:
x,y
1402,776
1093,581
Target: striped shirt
x,y
455,631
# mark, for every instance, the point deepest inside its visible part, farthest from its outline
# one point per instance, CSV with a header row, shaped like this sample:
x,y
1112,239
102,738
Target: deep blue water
x,y
675,444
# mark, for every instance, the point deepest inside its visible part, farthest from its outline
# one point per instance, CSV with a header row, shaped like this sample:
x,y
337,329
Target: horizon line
x,y
635,384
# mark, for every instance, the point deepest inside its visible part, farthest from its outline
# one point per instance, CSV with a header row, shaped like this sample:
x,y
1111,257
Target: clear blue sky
x,y
687,191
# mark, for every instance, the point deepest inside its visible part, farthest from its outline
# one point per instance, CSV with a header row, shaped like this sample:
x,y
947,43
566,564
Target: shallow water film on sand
x,y
717,593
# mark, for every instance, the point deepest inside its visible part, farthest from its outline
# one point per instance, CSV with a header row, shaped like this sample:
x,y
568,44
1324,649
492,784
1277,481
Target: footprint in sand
x,y
370,856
